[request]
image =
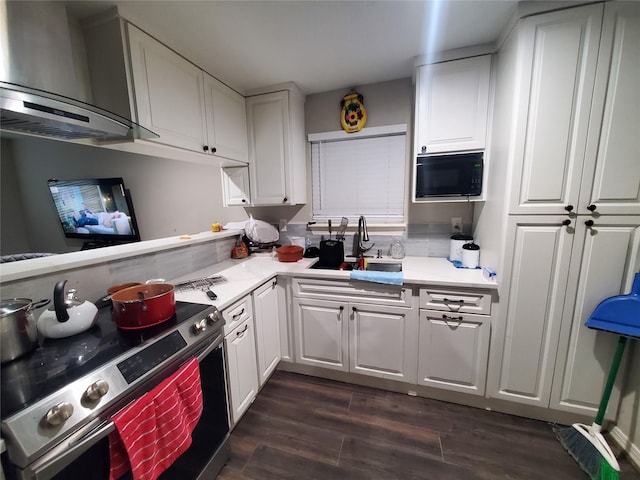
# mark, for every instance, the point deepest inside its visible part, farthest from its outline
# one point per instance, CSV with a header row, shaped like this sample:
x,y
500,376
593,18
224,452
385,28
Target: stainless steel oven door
x,y
86,455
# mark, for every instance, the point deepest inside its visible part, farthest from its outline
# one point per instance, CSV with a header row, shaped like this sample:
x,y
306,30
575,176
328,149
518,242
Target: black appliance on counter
x,y
58,400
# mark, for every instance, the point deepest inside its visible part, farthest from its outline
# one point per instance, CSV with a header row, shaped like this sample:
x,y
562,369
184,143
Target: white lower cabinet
x,y
455,329
267,320
242,367
542,354
453,351
350,336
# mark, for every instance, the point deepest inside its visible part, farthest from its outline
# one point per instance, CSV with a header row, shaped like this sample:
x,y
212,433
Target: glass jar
x,y
397,249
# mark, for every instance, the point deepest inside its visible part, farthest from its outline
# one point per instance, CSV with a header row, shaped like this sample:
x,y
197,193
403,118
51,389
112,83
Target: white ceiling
x,y
320,45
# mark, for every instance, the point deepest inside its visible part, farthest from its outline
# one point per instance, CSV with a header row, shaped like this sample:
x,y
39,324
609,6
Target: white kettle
x,y
68,316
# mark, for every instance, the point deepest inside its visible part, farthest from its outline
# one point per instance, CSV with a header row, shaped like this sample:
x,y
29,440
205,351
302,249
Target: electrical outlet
x,y
456,224
283,224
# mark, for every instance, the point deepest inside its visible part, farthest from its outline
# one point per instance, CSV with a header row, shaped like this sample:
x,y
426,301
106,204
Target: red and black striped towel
x,y
154,430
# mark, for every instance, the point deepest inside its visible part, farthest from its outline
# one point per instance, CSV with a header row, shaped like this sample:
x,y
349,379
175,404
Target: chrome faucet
x,y
363,236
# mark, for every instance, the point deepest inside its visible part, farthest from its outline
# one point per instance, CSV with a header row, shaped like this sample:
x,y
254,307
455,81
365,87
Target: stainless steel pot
x,y
18,332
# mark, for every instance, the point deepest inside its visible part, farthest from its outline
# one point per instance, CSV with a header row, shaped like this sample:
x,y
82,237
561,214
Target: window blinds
x,y
363,176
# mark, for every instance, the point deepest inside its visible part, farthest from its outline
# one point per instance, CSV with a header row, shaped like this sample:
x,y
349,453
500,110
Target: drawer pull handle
x,y
449,300
239,334
238,315
446,317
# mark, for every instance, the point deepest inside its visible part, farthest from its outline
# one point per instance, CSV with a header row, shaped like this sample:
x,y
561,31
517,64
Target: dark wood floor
x,y
308,428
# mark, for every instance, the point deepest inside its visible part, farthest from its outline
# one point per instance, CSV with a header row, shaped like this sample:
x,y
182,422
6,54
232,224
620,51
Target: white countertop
x,y
245,275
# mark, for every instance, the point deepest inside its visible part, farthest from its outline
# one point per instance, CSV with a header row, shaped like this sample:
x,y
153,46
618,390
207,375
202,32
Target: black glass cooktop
x,y
57,362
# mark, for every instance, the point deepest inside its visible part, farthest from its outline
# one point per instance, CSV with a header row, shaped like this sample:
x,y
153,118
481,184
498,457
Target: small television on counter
x,y
98,210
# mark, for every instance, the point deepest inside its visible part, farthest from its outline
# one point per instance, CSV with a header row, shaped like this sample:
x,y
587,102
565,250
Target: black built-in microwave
x,y
450,175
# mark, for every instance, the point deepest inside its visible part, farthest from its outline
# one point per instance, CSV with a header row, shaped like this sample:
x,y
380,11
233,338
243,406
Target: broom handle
x,y
611,378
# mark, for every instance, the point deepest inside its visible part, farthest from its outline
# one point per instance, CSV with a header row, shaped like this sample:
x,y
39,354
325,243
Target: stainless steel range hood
x,y
41,68
35,112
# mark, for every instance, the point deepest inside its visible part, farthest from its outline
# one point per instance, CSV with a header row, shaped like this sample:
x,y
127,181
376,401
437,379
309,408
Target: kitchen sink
x,y
372,265
384,266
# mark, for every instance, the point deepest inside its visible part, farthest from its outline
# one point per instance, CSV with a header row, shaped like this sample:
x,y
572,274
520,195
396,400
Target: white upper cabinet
x,y
235,186
136,76
226,120
613,185
277,155
169,95
452,100
579,137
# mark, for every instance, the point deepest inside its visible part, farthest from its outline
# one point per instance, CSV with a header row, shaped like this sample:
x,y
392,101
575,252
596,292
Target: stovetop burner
x,y
58,362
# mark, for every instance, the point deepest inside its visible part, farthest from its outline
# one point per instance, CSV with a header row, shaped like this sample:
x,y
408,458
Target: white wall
x,y
387,103
170,197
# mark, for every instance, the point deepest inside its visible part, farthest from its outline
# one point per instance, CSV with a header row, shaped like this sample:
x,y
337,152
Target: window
x,y
361,175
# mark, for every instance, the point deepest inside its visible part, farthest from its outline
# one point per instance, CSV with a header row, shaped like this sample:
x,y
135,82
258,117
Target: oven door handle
x,y
54,461
215,343
100,432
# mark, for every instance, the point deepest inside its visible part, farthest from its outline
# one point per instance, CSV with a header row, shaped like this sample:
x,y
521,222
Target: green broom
x,y
585,443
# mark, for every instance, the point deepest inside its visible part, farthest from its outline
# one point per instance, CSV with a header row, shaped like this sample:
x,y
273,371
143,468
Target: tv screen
x,y
98,210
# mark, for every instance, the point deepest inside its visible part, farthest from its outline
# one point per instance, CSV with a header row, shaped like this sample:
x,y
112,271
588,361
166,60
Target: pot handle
x,y
58,301
143,306
40,303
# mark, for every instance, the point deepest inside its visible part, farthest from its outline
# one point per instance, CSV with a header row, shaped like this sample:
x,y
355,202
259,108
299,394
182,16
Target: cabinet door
x,y
242,371
452,105
267,319
614,186
532,294
268,128
322,333
382,341
557,72
235,185
453,351
226,121
168,93
605,259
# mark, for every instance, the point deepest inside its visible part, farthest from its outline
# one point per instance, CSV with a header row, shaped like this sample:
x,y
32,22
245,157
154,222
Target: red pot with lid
x,y
142,306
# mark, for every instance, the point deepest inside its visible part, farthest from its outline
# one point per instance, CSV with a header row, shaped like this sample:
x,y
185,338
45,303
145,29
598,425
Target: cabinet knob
x,y
589,223
569,208
592,207
423,149
244,201
566,222
214,149
285,200
354,309
205,148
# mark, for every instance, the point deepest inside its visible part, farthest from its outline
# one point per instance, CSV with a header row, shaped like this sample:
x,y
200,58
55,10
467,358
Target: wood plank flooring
x,y
302,427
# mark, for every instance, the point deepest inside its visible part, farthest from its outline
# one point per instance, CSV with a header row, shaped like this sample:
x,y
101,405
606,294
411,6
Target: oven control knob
x,y
58,414
96,391
213,317
200,326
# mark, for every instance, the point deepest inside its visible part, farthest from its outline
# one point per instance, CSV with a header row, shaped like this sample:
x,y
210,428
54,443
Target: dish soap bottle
x,y
397,249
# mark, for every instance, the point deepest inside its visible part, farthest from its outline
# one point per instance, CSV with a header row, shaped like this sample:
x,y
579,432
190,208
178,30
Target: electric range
x,y
68,385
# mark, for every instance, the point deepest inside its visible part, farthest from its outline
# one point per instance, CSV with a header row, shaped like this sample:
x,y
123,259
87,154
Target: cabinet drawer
x,y
237,313
453,351
372,293
456,300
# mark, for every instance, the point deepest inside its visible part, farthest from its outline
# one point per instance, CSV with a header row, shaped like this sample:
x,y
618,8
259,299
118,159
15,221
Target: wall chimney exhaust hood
x,y
42,67
35,112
